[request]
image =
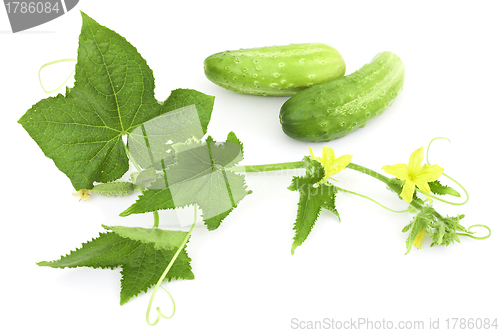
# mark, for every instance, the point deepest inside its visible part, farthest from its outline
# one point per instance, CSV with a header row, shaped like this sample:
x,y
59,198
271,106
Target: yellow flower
x,y
414,174
83,194
331,164
419,239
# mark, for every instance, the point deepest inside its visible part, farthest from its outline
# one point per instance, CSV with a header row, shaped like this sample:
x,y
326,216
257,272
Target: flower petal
x,y
408,189
429,173
340,164
343,160
422,185
416,160
312,155
419,239
399,170
328,156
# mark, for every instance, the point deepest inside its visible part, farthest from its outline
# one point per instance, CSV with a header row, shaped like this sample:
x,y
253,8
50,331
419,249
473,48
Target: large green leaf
x,y
113,94
143,255
198,176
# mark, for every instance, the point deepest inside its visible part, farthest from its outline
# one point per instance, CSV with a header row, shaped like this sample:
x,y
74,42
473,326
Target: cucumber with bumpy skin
x,y
275,70
116,188
331,110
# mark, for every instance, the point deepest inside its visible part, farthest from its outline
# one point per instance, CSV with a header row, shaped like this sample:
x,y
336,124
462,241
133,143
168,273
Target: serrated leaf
x,y
445,230
143,255
231,137
198,177
113,94
185,116
312,200
314,170
314,173
437,188
440,232
420,222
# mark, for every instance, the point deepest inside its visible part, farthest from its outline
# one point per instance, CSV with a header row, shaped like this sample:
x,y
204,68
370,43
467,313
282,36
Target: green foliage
x,y
445,230
113,94
198,176
442,230
143,255
420,222
186,117
440,189
314,196
84,133
112,102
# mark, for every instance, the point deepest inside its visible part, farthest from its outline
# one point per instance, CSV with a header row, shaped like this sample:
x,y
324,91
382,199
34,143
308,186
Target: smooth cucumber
x,y
333,109
275,70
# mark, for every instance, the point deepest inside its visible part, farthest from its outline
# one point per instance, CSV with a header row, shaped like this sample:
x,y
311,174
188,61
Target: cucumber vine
x,y
110,120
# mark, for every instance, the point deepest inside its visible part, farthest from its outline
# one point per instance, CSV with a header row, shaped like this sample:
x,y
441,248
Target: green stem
x,y
156,219
136,166
158,284
268,167
156,216
300,164
383,179
371,173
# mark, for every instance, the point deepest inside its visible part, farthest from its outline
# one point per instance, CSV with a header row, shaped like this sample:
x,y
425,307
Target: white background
x,y
246,279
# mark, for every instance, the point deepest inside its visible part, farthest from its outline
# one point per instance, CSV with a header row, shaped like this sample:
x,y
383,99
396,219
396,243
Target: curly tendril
x,y
447,176
469,233
160,280
53,63
476,237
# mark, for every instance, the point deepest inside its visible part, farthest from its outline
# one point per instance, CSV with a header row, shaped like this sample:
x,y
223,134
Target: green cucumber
x,y
333,109
116,188
275,70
